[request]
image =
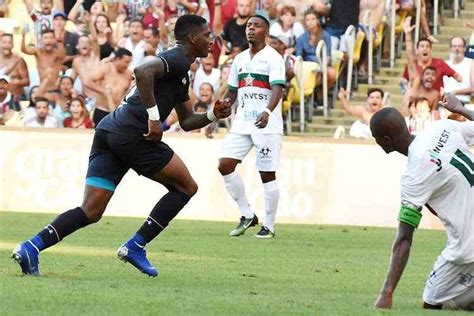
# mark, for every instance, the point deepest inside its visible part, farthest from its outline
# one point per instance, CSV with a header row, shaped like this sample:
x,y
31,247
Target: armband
x,y
409,215
211,116
153,113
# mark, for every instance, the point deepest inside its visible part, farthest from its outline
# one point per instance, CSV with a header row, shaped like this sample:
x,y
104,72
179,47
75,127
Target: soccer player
x,y
256,81
440,175
130,138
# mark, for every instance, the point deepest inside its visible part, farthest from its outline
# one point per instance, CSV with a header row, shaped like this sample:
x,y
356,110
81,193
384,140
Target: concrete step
x,y
333,121
455,30
452,22
391,72
394,89
312,135
319,128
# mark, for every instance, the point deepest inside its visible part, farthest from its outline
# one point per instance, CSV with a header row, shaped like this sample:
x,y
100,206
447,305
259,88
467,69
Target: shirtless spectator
x,y
113,75
68,39
424,58
360,128
233,35
463,66
15,67
134,42
8,105
51,55
42,117
82,64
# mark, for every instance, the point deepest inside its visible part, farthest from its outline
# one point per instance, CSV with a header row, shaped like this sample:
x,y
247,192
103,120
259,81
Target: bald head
x,y
390,131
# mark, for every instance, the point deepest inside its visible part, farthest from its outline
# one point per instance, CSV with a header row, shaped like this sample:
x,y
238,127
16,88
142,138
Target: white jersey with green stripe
x,y
440,175
253,79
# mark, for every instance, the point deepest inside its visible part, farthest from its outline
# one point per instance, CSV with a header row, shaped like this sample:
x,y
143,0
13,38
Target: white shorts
x,y
448,281
267,147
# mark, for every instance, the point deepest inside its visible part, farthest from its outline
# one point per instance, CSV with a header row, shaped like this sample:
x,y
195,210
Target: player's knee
x,y
225,167
192,188
93,214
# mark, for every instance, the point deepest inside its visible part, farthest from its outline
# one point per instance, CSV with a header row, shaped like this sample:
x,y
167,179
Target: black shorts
x,y
112,155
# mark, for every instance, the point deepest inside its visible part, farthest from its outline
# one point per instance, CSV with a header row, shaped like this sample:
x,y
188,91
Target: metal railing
x,y
387,100
369,21
321,53
300,79
350,36
435,17
393,24
456,9
417,21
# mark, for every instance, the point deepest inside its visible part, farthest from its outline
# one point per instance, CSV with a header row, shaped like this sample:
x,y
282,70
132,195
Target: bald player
x,y
439,175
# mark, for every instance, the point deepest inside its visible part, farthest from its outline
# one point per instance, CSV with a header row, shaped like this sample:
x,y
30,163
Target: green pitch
x,y
305,270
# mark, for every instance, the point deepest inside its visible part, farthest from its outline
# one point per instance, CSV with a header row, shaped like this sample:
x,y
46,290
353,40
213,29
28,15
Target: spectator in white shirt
x,y
42,117
207,73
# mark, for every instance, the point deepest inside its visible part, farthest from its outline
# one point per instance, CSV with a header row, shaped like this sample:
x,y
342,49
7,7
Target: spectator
x,y
151,37
134,42
206,73
269,10
68,39
225,69
89,12
50,56
376,7
341,14
60,98
8,105
111,78
4,8
135,9
84,63
420,116
43,18
30,110
287,26
360,128
15,67
233,36
42,117
103,36
463,66
280,44
409,7
423,57
79,115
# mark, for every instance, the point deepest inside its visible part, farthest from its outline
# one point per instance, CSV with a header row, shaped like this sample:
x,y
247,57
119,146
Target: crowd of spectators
x,y
86,51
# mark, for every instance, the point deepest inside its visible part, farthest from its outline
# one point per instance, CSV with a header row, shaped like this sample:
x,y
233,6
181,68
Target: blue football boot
x,y
136,255
26,255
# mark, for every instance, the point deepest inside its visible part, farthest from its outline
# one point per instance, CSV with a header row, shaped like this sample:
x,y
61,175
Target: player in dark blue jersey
x,y
130,138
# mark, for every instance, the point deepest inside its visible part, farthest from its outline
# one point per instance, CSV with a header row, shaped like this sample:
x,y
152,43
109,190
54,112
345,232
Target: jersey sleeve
x,y
277,71
233,80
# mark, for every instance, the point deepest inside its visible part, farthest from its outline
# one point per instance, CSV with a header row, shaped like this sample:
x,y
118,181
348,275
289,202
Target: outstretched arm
x,y
452,104
398,261
358,111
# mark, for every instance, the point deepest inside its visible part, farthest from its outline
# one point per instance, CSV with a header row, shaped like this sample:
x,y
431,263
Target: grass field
x,y
305,270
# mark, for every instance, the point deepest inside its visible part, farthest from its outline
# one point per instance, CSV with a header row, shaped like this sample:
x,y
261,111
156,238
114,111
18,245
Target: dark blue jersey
x,y
131,116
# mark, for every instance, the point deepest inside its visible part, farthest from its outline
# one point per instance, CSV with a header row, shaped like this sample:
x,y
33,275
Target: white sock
x,y
235,186
272,195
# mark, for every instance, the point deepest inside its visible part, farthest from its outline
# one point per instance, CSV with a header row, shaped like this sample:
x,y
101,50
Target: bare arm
x,y
145,75
410,47
217,27
398,261
24,77
27,49
59,5
75,10
321,8
357,111
29,6
93,82
188,120
44,84
192,7
5,7
452,104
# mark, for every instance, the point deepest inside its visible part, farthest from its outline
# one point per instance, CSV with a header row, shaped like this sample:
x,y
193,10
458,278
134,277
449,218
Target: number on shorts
x,y
464,164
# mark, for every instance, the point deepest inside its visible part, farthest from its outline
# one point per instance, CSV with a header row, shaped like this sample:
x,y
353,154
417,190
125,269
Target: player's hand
x,y
407,27
155,131
384,301
222,108
262,120
451,103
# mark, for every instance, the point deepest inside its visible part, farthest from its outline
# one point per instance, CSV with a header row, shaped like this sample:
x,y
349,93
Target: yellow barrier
x,y
321,181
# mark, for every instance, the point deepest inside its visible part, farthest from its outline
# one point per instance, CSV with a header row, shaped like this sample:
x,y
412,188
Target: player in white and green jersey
x,y
440,176
256,81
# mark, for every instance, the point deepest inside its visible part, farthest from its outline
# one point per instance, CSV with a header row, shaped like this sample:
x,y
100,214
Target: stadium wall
x,y
321,182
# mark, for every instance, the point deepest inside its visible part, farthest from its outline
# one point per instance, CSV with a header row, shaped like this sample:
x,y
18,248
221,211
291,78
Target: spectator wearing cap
x,y
306,43
68,39
14,66
287,26
7,103
280,43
